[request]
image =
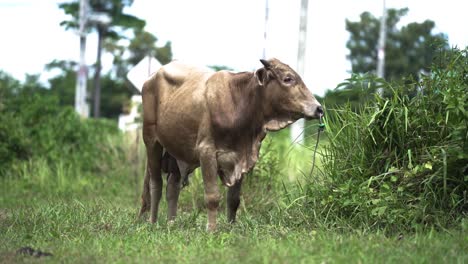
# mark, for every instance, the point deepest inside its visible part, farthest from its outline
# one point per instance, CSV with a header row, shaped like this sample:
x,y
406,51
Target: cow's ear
x,y
262,76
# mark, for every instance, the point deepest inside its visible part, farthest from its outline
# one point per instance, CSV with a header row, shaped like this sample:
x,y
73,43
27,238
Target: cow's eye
x,y
288,80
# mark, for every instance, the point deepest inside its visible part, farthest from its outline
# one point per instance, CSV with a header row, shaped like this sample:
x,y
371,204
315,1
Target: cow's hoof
x,y
210,227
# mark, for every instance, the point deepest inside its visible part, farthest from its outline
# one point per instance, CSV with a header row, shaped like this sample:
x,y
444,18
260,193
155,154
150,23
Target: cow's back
x,y
171,83
173,100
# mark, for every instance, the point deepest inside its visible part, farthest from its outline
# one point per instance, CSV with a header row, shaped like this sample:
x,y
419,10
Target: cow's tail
x,y
145,196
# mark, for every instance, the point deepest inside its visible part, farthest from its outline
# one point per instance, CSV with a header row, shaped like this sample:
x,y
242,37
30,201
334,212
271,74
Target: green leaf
x,y
379,211
428,165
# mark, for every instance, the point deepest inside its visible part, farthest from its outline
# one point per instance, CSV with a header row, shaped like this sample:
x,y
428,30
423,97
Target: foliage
x,y
113,30
8,86
401,161
14,145
117,94
124,38
113,8
266,167
353,93
398,164
114,90
144,44
33,125
63,85
140,45
408,50
262,185
90,216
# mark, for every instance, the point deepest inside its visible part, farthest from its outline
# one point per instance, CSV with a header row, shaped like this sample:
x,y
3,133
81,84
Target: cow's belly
x,y
178,139
178,127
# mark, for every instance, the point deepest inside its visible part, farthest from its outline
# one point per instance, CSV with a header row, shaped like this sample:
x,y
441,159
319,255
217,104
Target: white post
x,y
381,46
265,30
81,106
297,129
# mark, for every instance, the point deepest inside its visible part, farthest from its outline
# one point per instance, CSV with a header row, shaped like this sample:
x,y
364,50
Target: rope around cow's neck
x,y
321,127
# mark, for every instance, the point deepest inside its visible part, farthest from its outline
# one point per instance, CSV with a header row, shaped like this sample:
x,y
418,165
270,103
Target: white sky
x,y
215,32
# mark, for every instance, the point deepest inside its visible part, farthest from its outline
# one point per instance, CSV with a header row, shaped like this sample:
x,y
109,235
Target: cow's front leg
x,y
209,170
233,200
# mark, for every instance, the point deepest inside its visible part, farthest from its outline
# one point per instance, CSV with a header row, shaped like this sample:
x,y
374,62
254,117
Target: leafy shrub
x,y
35,125
402,160
13,141
259,189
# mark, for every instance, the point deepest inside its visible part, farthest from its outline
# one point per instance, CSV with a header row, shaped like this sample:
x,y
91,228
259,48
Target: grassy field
x,y
390,185
92,219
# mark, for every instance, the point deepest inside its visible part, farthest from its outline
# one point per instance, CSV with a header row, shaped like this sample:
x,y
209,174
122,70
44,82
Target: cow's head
x,y
287,96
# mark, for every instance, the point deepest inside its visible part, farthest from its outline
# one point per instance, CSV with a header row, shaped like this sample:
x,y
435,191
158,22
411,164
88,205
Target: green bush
x,y
400,161
13,141
34,125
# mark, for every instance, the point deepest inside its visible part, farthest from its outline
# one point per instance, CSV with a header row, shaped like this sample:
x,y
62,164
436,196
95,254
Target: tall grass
x,y
400,161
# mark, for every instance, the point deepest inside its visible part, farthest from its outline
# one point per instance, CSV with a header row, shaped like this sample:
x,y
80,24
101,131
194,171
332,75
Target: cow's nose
x,y
319,110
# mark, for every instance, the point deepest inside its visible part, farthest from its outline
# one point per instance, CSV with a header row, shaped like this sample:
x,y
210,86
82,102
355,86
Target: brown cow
x,y
198,118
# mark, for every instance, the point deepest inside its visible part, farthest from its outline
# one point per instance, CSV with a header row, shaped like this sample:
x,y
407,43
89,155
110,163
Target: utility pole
x,y
265,30
297,129
97,73
81,106
381,46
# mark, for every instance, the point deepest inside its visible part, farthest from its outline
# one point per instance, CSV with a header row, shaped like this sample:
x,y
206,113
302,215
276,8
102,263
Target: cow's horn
x,y
265,63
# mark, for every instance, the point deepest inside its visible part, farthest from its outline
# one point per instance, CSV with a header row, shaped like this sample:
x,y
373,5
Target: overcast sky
x,y
216,32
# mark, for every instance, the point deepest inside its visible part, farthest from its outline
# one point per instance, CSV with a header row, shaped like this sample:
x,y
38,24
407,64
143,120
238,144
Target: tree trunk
x,y
97,73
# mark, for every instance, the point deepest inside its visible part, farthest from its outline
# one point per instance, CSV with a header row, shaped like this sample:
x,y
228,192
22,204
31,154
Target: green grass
x,y
102,230
389,186
95,222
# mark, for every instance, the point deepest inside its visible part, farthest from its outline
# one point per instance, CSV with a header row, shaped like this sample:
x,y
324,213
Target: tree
x,y
8,86
117,96
114,30
63,84
141,45
409,49
144,44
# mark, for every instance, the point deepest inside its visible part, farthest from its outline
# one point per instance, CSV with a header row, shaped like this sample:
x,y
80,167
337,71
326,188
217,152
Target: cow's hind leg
x,y
154,170
154,150
233,200
172,194
169,165
152,186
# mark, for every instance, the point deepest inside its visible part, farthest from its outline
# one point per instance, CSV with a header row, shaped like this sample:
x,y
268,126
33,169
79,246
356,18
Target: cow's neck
x,y
247,95
238,144
273,120
256,111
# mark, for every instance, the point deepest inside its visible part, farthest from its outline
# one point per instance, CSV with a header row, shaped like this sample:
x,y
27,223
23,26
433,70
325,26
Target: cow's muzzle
x,y
314,111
